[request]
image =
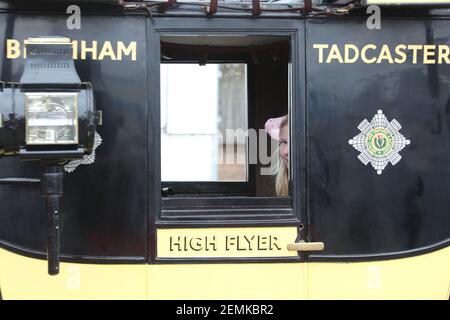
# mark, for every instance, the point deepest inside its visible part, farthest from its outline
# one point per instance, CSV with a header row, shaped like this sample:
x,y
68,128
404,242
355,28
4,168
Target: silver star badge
x,y
379,142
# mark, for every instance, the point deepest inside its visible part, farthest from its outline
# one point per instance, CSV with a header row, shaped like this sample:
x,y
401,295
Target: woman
x,y
278,130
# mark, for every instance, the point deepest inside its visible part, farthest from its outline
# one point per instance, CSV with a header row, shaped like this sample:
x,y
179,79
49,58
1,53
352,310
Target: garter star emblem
x,y
379,142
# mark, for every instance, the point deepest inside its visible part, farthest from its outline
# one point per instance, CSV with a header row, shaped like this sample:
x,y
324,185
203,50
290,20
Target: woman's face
x,y
284,144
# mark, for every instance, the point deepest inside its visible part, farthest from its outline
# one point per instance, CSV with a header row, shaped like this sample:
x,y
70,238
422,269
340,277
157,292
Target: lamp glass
x,y
51,118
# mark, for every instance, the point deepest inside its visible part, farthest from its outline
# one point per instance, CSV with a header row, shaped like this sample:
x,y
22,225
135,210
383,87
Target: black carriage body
x,y
111,209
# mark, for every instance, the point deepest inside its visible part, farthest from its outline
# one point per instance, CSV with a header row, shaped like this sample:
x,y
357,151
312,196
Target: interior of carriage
x,y
217,92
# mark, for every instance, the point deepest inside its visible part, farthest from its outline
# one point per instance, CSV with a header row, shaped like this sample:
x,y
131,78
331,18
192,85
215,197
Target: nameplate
x,y
226,242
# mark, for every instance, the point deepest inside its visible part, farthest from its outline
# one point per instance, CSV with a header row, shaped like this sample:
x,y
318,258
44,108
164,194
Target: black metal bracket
x,y
52,191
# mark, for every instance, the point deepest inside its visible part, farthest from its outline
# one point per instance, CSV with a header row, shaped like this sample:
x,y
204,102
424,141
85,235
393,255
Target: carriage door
x,y
218,227
378,158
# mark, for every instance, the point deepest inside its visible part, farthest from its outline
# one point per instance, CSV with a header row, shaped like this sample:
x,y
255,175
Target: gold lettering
x,y
130,50
75,49
82,49
249,241
195,244
429,52
229,241
262,243
364,54
211,242
176,243
415,49
92,50
444,52
334,54
239,242
385,54
107,50
401,55
355,57
321,47
274,243
12,49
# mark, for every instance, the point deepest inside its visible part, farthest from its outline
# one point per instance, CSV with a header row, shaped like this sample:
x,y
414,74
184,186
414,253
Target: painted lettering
x,y
372,53
84,50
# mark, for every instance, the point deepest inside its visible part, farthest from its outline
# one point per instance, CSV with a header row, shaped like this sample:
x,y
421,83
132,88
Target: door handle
x,y
306,246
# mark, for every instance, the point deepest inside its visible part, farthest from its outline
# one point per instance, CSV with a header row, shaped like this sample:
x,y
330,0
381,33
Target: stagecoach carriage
x,y
135,164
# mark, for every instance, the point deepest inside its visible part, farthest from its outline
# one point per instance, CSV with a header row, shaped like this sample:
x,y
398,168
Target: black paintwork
x,y
104,207
352,209
111,209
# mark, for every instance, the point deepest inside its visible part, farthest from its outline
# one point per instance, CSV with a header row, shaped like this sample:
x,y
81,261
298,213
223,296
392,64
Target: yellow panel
x,y
226,242
26,278
421,277
228,281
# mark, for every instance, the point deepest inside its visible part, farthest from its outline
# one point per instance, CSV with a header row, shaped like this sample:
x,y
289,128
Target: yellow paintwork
x,y
422,277
228,281
27,278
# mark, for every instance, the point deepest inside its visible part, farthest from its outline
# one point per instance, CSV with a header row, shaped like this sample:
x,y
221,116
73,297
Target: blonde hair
x,y
282,172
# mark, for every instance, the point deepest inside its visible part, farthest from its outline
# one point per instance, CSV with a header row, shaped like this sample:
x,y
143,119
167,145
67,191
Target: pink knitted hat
x,y
273,127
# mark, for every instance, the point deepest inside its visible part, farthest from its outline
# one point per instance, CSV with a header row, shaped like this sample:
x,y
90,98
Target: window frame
x,y
244,214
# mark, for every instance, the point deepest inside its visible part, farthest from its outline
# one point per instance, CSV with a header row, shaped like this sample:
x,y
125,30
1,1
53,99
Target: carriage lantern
x,y
48,116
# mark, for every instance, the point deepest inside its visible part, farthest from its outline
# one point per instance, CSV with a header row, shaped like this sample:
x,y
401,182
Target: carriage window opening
x,y
225,102
203,122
